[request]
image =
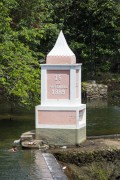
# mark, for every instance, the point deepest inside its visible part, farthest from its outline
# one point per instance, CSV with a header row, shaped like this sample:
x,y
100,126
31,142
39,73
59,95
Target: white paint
x,y
43,85
61,102
43,126
61,47
72,84
61,108
73,100
58,88
80,96
58,91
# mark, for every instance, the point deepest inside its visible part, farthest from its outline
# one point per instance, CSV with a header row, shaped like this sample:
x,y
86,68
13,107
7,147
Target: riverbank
x,y
88,160
93,159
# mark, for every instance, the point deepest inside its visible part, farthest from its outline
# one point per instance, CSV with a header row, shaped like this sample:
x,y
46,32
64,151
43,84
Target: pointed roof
x,y
61,53
61,47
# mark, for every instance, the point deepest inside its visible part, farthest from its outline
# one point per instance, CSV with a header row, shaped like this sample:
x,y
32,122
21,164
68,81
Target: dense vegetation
x,y
28,30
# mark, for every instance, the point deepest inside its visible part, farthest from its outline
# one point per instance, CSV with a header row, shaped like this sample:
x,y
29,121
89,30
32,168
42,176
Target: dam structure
x,y
61,117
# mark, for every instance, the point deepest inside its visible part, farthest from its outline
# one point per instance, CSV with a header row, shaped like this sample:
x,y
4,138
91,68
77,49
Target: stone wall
x,y
92,90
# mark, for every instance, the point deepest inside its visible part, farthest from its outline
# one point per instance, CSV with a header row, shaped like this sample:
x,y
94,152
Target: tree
x,y
32,19
24,30
19,69
92,29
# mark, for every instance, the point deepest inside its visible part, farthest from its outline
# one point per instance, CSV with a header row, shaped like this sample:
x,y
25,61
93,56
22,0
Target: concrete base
x,y
62,136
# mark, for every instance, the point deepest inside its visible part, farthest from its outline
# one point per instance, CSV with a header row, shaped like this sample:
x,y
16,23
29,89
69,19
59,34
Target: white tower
x,y
61,118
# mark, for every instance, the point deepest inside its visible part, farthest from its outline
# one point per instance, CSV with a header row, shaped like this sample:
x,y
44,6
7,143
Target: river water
x,y
21,164
101,119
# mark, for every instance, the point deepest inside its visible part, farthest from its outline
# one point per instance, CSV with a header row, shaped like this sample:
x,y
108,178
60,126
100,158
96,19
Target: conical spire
x,y
61,53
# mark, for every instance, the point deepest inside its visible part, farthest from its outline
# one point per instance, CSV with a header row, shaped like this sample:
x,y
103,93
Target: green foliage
x,y
20,72
84,86
24,30
92,29
19,68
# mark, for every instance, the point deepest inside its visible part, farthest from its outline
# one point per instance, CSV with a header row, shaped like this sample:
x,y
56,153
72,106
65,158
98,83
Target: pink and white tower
x,y
61,118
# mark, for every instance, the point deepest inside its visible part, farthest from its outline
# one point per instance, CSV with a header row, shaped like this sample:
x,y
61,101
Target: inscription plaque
x,y
58,84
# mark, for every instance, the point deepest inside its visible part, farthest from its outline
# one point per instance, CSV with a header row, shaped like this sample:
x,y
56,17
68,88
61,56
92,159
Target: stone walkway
x,y
49,168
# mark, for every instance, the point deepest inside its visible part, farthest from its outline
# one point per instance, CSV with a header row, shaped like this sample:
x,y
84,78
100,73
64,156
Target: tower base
x,y
60,125
62,137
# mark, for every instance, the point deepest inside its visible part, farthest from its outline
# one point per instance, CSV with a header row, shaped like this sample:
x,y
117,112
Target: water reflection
x,y
18,166
102,118
97,104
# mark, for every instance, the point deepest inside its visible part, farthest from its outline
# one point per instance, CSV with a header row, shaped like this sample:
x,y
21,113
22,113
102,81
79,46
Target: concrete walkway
x,y
49,168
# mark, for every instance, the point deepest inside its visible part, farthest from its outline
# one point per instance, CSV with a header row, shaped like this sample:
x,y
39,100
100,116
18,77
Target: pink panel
x,y
77,84
61,60
58,84
57,117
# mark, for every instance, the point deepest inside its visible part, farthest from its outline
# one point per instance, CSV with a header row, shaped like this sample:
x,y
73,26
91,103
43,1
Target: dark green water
x,y
20,165
101,119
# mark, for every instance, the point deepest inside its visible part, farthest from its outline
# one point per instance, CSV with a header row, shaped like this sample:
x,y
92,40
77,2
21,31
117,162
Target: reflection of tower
x,y
61,118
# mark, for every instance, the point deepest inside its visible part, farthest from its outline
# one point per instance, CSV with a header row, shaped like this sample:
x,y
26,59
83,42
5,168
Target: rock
x,y
26,137
63,147
17,141
34,144
95,91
